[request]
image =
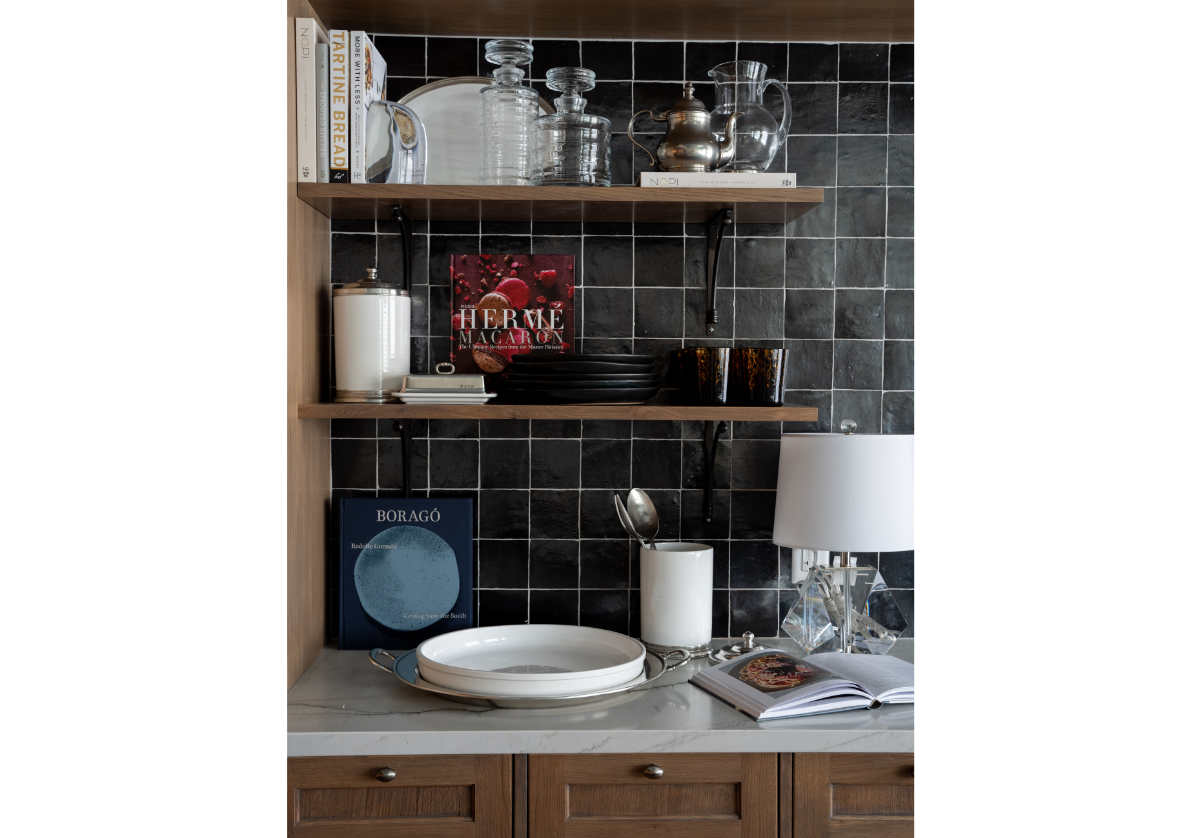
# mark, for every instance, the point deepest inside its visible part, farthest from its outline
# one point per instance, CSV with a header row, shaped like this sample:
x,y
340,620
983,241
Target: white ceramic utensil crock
x,y
530,660
677,596
371,323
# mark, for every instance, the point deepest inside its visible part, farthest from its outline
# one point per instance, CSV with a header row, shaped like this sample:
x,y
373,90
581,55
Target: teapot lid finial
x,y
689,102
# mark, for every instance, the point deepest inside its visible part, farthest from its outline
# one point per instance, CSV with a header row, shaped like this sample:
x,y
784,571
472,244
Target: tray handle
x,y
374,656
684,657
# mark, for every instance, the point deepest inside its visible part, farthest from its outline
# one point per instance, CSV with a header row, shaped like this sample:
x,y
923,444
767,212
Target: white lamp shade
x,y
845,492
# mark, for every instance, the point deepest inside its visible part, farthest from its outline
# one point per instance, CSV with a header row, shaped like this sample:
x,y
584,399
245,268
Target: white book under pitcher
x,y
719,180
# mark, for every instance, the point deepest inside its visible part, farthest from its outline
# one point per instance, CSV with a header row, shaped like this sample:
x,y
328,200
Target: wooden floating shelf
x,y
671,20
557,203
658,412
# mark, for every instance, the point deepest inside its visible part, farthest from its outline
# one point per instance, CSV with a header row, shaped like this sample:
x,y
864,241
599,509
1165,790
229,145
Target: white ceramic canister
x,y
371,324
677,586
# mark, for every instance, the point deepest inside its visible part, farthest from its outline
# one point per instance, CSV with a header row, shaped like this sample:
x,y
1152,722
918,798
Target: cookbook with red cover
x,y
510,304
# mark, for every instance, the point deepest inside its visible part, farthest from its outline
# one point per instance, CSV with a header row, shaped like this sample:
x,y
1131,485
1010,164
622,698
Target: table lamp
x,y
843,492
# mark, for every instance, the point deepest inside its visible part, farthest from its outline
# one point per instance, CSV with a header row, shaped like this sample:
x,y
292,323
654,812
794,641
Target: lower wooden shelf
x,y
650,412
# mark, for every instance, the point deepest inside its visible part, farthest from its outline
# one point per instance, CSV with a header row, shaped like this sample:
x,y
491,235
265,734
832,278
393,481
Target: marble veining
x,y
344,706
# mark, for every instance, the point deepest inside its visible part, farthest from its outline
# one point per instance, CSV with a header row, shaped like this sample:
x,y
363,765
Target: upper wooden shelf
x,y
556,203
672,20
659,412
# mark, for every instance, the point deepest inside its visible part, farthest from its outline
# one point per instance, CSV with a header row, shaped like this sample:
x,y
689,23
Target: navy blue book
x,y
407,570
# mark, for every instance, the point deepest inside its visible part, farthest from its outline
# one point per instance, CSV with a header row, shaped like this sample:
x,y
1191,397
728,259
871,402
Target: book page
x,y
883,676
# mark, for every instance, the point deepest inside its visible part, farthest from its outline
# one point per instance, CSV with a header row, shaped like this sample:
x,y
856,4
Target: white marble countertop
x,y
343,706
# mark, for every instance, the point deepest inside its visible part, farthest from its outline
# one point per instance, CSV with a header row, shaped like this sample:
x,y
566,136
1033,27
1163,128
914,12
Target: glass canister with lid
x,y
510,111
574,147
371,324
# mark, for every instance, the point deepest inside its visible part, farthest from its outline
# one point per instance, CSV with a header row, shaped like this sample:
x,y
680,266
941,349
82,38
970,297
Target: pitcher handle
x,y
786,122
629,133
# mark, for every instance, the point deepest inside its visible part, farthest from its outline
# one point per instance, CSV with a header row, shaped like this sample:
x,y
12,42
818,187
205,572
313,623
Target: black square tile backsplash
x,y
834,285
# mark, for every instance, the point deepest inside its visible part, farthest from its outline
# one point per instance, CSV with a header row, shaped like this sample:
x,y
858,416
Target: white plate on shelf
x,y
530,660
452,112
444,398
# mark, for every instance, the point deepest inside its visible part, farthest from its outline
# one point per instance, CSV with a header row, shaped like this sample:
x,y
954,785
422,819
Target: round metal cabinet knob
x,y
385,775
654,772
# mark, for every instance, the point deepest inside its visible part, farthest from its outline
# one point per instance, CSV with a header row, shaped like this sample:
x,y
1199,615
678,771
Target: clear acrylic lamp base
x,y
834,612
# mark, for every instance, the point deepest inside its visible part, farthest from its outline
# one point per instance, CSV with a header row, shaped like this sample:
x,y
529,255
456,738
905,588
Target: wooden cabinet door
x,y
664,795
852,796
428,797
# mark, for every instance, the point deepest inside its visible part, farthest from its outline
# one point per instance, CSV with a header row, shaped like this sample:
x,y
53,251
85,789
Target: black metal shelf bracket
x,y
721,221
401,427
712,435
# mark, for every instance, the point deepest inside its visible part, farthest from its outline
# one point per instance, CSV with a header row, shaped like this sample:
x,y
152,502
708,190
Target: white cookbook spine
x,y
339,106
719,180
306,100
322,113
368,77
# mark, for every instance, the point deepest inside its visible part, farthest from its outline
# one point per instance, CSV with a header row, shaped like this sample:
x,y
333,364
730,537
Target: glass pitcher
x,y
740,87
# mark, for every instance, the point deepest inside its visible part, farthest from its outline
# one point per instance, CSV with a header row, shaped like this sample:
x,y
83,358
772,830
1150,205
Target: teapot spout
x,y
728,146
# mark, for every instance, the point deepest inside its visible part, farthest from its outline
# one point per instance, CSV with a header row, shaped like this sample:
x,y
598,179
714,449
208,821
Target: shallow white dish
x,y
530,660
452,112
444,398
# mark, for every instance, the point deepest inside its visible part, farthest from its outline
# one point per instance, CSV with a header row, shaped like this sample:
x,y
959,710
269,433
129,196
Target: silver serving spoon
x,y
643,514
623,515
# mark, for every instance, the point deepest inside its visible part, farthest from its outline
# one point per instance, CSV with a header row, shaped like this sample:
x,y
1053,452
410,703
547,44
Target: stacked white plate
x,y
427,397
531,660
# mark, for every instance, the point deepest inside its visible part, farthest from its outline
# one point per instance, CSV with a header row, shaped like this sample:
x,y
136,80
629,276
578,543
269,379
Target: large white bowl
x,y
530,660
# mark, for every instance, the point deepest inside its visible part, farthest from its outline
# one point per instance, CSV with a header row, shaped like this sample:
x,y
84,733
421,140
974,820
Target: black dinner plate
x,y
589,357
576,396
551,384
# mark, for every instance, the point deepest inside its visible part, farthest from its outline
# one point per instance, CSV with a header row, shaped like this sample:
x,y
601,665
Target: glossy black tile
x,y
720,613
607,312
504,514
404,55
555,429
759,262
897,568
902,62
656,463
809,313
898,365
694,467
898,315
658,261
774,55
813,158
598,516
860,211
605,464
817,222
900,120
441,248
613,100
454,463
348,428
609,59
554,607
553,514
755,611
504,428
822,400
863,62
604,609
549,53
695,266
760,313
860,263
553,563
352,463
702,56
809,365
658,312
862,108
504,464
862,160
554,464
350,256
752,514
810,263
695,318
858,364
900,160
862,406
454,57
753,564
503,564
695,523
658,61
900,211
814,108
391,464
604,564
858,313
501,608
898,272
756,464
812,62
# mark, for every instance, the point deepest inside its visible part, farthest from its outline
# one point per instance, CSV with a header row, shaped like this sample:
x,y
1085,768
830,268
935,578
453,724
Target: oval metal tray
x,y
404,667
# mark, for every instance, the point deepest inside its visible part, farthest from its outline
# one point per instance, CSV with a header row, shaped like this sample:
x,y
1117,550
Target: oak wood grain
x,y
556,203
662,412
698,796
307,442
431,797
852,795
721,20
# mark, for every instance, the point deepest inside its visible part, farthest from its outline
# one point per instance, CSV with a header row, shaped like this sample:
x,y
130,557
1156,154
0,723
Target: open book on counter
x,y
775,684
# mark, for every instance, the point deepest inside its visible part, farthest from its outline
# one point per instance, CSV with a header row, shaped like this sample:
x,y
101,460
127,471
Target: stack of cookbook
x,y
339,75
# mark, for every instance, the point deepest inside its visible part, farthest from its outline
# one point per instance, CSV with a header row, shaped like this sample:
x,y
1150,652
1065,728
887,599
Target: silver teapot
x,y
689,145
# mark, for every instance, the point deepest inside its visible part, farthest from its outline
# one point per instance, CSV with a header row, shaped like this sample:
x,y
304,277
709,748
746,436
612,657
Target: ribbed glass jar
x,y
573,146
510,112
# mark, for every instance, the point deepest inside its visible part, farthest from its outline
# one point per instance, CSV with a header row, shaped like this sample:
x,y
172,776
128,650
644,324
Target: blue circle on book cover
x,y
406,578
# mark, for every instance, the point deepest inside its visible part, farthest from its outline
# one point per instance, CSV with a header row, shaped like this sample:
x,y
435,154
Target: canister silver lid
x,y
372,284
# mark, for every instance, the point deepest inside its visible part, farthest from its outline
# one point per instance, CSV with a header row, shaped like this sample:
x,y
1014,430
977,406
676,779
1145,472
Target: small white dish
x,y
530,660
444,398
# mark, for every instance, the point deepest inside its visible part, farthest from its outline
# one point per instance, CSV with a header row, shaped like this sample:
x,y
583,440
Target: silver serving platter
x,y
404,667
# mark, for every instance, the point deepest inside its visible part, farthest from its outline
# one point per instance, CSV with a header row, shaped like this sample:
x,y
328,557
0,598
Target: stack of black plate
x,y
589,377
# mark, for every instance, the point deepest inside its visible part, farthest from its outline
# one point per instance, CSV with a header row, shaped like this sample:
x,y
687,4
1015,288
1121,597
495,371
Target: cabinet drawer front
x,y
692,795
853,795
401,796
